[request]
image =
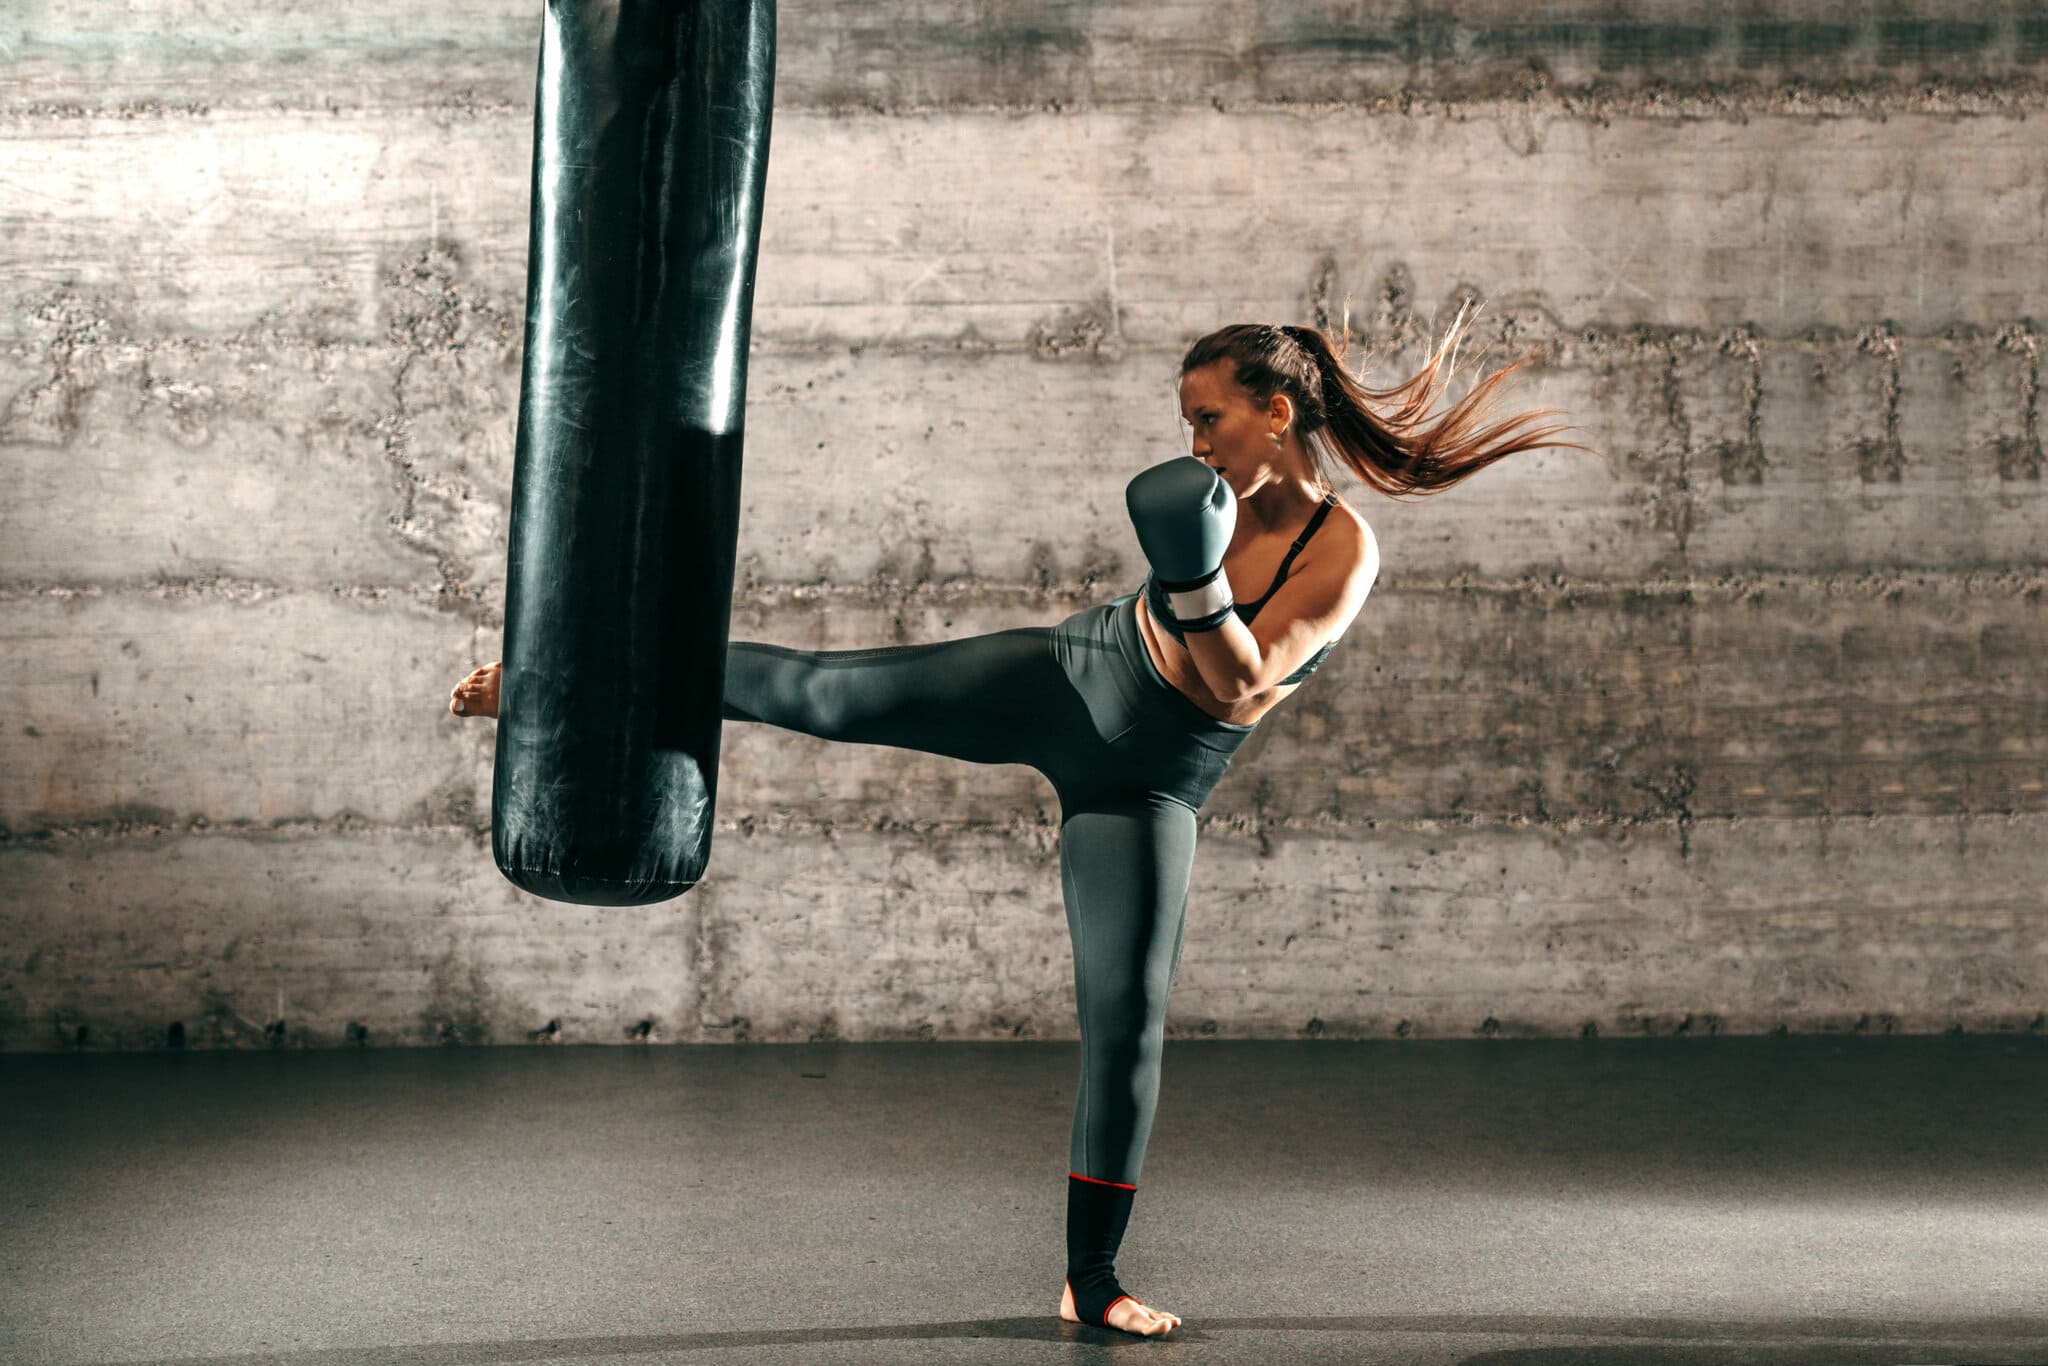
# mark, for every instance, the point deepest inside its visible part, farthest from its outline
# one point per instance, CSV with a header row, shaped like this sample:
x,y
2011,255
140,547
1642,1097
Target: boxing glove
x,y
1184,515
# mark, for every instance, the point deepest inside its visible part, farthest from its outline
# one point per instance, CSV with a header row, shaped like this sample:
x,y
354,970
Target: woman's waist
x,y
1193,715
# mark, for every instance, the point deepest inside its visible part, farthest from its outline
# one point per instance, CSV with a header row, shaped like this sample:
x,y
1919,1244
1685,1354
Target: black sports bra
x,y
1162,612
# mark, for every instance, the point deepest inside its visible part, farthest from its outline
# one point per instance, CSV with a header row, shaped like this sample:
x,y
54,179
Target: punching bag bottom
x,y
638,867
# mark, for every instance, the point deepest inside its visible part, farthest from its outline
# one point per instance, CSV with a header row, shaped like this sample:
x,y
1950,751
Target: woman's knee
x,y
827,703
1126,1015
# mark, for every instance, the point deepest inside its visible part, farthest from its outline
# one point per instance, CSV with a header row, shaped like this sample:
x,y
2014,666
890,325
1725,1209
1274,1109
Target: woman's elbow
x,y
1244,687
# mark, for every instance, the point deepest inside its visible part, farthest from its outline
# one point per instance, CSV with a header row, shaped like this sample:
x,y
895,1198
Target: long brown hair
x,y
1394,448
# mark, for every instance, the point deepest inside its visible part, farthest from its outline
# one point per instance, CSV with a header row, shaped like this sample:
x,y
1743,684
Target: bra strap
x,y
1302,540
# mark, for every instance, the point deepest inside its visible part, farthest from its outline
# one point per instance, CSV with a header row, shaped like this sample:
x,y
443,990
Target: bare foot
x,y
477,695
1128,1315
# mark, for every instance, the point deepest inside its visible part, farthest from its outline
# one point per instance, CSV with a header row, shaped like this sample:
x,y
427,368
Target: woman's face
x,y
1230,432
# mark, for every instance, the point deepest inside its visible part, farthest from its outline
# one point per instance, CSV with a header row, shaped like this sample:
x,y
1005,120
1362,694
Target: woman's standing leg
x,y
1124,869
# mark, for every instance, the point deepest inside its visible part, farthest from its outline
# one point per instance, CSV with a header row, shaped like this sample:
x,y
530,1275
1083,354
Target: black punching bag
x,y
650,149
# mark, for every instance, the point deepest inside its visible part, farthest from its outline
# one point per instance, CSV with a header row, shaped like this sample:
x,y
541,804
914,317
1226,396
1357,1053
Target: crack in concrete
x,y
1672,791
1670,492
1316,305
1882,458
1743,461
2020,457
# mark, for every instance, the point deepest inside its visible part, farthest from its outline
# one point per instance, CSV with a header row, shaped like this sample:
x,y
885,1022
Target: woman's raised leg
x,y
990,699
987,699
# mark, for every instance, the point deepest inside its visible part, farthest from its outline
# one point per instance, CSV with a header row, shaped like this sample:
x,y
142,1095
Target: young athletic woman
x,y
1132,708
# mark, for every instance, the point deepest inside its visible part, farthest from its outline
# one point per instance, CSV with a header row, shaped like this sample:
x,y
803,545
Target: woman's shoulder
x,y
1351,533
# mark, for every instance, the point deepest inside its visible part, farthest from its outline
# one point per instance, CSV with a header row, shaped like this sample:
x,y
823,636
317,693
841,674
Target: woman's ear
x,y
1280,412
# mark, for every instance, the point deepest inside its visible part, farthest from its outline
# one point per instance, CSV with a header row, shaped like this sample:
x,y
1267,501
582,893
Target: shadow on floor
x,y
1650,1342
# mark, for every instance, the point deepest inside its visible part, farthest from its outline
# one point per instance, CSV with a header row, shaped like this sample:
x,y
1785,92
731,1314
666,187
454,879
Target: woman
x,y
1132,708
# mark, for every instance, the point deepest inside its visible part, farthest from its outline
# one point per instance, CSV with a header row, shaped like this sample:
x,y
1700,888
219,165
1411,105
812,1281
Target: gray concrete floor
x,y
1773,1201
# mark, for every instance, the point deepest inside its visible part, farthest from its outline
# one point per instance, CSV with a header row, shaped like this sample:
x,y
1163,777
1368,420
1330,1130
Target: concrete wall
x,y
1736,726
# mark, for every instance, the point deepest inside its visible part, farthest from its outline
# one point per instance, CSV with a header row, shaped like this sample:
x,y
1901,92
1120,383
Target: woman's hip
x,y
1151,736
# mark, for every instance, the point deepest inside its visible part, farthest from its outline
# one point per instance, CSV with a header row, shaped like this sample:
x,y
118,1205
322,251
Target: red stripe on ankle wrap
x,y
1098,1181
1114,1303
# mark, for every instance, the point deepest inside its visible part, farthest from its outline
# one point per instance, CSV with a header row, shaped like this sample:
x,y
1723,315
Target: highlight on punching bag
x,y
650,151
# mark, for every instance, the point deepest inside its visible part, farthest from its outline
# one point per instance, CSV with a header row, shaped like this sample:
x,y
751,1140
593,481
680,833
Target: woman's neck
x,y
1280,505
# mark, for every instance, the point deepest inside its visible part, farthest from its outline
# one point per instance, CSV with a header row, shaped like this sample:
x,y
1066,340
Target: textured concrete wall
x,y
1737,725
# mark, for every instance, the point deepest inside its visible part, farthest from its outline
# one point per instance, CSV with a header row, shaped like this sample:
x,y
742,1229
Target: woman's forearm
x,y
1227,658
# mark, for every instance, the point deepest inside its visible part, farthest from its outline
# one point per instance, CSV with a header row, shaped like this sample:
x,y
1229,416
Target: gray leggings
x,y
1131,760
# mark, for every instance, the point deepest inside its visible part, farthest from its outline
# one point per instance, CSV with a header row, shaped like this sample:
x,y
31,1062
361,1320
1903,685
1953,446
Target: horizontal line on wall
x,y
1864,585
1020,830
2017,95
1560,345
215,590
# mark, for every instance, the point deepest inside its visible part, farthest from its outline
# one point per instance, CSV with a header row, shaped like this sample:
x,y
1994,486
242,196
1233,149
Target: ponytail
x,y
1397,450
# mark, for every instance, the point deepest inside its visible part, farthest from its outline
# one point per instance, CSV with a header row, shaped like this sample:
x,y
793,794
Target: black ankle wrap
x,y
1097,1212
